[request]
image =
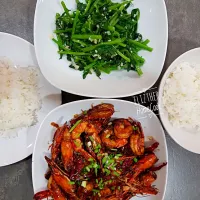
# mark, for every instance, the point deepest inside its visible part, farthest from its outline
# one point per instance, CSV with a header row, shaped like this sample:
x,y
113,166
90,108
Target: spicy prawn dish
x,y
97,157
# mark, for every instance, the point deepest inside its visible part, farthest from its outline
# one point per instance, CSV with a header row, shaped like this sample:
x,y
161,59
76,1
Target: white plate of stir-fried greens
x,y
100,149
101,48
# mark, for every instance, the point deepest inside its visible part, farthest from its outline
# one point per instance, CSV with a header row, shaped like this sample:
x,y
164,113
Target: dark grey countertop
x,y
17,16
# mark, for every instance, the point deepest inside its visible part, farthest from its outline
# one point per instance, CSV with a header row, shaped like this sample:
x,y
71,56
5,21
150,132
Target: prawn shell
x,y
122,128
112,143
101,111
56,192
42,195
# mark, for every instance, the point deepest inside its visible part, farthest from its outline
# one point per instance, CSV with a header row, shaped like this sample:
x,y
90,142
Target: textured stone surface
x,y
17,16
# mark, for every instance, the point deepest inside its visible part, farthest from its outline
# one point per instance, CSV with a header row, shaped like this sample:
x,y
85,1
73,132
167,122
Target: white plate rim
x,y
107,96
17,37
160,90
30,150
103,100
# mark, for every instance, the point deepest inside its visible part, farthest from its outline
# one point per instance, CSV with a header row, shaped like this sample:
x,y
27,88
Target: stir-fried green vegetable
x,y
100,36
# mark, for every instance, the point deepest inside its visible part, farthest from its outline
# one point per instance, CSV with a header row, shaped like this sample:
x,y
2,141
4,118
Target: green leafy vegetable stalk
x,y
101,36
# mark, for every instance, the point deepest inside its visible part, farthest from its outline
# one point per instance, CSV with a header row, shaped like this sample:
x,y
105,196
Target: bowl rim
x,y
160,92
89,94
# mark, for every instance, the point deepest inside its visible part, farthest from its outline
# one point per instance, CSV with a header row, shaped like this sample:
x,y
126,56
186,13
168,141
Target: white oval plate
x,y
187,139
61,114
153,25
18,144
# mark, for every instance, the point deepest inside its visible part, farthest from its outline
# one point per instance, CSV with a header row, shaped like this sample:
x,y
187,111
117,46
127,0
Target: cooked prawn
x,y
93,121
101,111
137,140
143,164
99,158
78,147
61,178
55,191
112,143
67,150
148,178
79,129
42,195
147,190
122,128
55,149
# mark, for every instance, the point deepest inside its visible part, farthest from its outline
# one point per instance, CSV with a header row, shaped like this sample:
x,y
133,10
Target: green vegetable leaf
x,y
100,36
116,173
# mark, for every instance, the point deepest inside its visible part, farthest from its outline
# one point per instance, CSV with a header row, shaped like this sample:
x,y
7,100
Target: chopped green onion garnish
x,y
116,173
117,156
104,160
135,128
85,112
71,182
76,143
87,168
75,125
84,183
97,148
96,171
107,171
91,138
95,191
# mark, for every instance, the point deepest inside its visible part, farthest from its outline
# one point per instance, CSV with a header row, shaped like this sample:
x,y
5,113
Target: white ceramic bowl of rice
x,y
25,98
179,100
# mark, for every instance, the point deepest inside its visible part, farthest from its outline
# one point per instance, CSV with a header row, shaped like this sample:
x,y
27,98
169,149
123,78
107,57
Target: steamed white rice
x,y
181,96
19,96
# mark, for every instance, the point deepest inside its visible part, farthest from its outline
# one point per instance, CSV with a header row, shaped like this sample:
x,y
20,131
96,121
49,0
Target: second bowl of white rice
x,y
179,100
